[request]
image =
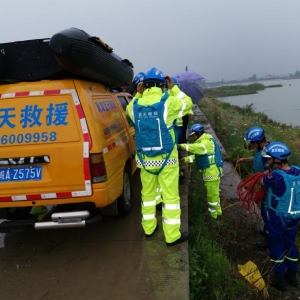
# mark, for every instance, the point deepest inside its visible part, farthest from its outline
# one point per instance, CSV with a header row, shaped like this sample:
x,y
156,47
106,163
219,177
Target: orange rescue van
x,y
65,145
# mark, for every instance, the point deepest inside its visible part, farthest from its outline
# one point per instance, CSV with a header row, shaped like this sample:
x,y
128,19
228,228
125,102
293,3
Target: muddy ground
x,y
110,261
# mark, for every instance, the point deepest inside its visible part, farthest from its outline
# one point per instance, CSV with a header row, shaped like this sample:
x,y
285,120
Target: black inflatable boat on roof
x,y
69,53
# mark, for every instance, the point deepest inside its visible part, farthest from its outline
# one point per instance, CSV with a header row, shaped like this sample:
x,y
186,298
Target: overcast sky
x,y
220,39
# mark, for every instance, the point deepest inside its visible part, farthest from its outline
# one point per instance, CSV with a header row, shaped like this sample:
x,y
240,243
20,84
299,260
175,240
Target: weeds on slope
x,y
211,273
212,248
231,122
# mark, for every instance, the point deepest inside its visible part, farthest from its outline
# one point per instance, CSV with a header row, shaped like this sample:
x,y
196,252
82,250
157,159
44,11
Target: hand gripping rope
x,y
251,193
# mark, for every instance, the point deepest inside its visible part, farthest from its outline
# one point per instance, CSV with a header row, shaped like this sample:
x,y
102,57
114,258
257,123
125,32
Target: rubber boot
x,y
184,237
279,283
214,215
291,278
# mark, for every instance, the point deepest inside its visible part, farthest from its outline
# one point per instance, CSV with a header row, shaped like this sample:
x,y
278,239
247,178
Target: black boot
x,y
184,237
279,283
291,278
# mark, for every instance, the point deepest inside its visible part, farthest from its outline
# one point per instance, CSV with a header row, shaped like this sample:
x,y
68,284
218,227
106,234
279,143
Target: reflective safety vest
x,y
289,204
152,134
257,164
205,161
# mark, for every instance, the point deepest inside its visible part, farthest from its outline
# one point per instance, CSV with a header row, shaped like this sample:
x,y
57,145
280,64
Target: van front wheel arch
x,y
124,202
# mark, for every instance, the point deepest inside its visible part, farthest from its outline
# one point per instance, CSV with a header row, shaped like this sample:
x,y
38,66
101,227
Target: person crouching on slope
x,y
153,113
208,158
255,138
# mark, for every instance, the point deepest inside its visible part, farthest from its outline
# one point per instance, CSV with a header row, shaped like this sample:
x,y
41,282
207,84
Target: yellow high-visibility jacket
x,y
177,105
204,145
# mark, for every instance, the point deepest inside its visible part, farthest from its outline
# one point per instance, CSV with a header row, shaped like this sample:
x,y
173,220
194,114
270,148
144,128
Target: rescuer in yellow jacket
x,y
153,113
207,155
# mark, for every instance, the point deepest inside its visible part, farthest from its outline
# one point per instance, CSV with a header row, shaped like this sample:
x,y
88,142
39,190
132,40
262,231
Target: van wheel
x,y
124,202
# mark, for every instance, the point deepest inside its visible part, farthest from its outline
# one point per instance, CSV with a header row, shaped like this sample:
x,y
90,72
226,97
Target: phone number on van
x,y
27,138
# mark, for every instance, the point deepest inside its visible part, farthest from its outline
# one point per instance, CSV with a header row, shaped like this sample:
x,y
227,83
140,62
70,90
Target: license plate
x,y
20,173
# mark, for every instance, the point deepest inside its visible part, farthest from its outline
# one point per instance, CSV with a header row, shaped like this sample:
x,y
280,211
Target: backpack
x,y
257,164
218,154
153,136
203,160
289,204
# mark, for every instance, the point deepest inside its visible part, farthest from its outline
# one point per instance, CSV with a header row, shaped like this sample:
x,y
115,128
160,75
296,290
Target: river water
x,y
281,104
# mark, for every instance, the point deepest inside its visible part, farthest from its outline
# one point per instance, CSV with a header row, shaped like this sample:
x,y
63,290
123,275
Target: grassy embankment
x,y
213,274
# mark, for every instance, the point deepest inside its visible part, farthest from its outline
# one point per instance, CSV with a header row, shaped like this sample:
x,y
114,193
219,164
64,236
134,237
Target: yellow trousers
x,y
167,180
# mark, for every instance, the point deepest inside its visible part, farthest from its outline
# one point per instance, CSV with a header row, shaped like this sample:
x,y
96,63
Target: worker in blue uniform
x,y
282,222
255,138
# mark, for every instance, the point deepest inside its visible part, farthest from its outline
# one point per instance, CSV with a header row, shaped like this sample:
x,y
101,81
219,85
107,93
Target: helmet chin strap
x,y
271,165
259,145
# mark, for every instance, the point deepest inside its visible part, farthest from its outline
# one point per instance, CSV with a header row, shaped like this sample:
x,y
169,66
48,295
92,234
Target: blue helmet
x,y
175,80
254,135
196,128
155,75
277,150
138,78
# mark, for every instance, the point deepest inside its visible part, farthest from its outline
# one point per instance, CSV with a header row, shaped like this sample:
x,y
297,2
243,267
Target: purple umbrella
x,y
189,76
192,89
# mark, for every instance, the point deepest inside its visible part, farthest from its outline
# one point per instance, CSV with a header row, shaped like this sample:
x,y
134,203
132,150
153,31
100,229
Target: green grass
x,y
213,275
231,122
233,90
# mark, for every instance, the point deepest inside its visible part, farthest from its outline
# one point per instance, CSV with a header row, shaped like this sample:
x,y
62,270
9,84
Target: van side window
x,y
123,102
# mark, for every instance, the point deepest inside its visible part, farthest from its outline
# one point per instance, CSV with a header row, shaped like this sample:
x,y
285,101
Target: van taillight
x,y
98,170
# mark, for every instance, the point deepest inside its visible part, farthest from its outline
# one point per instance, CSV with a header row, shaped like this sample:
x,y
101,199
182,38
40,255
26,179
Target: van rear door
x,y
44,146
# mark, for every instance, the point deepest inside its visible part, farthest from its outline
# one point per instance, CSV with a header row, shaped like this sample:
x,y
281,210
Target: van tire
x,y
124,202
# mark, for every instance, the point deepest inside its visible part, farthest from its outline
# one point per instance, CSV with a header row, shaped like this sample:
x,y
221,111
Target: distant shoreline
x,y
236,90
236,82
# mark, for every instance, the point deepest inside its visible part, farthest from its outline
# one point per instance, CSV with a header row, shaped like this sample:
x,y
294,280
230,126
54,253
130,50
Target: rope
x,y
228,206
237,169
251,193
